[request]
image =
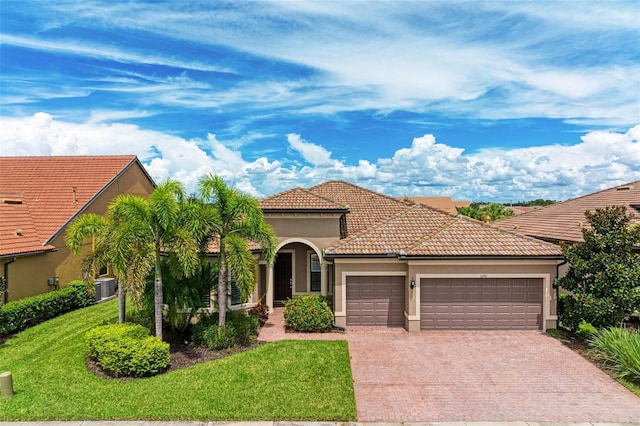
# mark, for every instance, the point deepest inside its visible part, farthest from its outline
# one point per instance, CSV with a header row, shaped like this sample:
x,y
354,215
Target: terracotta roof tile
x,y
564,221
298,199
366,208
46,185
421,231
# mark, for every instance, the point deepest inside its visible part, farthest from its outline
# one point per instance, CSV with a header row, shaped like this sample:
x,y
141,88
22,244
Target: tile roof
x,y
445,204
52,190
299,199
379,225
366,207
420,231
564,221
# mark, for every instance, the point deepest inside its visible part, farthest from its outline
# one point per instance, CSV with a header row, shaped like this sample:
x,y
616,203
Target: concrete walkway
x,y
443,376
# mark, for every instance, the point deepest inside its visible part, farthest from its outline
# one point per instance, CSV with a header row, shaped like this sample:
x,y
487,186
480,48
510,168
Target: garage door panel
x,y
477,303
375,300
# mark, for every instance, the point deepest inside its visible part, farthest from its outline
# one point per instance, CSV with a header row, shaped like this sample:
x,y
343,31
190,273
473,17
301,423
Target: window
x,y
315,272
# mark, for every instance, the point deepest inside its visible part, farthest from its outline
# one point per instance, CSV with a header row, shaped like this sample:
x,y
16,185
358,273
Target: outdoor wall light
x,y
413,283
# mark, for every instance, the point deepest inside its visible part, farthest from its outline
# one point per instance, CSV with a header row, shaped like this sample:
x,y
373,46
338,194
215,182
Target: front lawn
x,y
287,380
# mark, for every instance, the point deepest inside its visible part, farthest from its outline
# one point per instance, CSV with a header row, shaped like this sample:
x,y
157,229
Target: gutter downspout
x,y
6,280
557,287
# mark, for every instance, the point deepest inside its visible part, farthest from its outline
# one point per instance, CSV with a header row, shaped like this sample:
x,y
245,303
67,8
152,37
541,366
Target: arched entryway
x,y
299,269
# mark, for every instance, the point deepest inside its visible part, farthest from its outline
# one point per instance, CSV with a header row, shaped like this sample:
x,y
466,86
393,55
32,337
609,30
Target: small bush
x,y
240,329
308,313
261,311
586,330
24,313
219,338
245,326
127,350
621,349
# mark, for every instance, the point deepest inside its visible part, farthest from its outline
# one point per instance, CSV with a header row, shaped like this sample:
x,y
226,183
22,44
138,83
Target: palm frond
x,y
241,263
84,226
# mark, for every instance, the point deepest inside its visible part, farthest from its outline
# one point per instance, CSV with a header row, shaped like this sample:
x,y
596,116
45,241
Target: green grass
x,y
287,380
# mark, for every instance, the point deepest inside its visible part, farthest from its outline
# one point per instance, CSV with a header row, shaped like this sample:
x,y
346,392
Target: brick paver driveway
x,y
479,375
472,376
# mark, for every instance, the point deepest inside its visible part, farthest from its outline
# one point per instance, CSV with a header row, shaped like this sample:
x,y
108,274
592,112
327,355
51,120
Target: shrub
x,y
308,313
261,311
24,313
241,329
245,326
127,350
621,349
219,338
586,330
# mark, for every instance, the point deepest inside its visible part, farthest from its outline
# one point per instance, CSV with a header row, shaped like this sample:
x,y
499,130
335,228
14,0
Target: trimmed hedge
x,y
24,313
308,313
127,350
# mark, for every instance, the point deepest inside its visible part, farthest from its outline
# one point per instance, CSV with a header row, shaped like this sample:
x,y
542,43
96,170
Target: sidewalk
x,y
285,423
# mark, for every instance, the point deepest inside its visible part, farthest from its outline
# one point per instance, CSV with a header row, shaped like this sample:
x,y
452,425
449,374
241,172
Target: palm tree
x,y
145,228
236,220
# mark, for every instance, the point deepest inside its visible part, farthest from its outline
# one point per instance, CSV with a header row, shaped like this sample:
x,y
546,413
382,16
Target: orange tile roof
x,y
366,207
379,225
53,190
299,199
445,204
564,221
421,231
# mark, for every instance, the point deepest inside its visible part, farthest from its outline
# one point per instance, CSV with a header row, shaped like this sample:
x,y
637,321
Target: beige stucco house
x,y
385,261
39,196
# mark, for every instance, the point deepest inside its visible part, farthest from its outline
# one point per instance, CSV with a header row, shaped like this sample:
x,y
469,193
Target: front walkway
x,y
472,376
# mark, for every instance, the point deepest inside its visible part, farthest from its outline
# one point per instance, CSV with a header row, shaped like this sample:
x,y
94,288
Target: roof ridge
x,y
517,234
308,191
389,197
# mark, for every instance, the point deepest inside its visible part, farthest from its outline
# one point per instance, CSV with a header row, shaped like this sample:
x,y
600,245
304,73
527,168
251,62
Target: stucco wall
x,y
28,275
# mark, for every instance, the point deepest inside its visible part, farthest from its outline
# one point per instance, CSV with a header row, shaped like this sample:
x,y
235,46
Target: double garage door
x,y
481,303
448,303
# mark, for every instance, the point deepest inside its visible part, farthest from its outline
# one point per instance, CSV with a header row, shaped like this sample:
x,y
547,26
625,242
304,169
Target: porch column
x,y
269,300
324,279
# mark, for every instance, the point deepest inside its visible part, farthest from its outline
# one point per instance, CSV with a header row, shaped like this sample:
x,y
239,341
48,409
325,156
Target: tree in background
x,y
488,213
603,280
237,220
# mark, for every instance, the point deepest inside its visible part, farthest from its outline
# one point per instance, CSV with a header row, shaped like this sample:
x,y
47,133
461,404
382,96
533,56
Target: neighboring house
x,y
389,262
563,222
445,204
39,196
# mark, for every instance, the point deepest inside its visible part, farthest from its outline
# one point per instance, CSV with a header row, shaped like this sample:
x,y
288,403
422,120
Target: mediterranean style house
x,y
386,261
39,196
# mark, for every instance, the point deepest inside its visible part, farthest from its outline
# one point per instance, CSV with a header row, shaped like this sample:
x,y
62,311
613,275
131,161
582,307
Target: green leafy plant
x,y
127,350
308,313
261,312
241,329
621,349
24,313
586,329
603,278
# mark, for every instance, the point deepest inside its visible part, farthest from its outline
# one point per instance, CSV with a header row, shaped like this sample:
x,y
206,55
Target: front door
x,y
282,277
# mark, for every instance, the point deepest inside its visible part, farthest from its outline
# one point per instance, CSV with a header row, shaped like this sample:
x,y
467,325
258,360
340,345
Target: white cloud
x,y
427,167
312,153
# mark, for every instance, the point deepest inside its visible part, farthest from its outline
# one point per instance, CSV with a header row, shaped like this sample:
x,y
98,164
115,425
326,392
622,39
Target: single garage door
x,y
481,303
375,300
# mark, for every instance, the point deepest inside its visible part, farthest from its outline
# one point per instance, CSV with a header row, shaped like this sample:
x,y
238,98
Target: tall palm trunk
x,y
222,293
122,302
157,295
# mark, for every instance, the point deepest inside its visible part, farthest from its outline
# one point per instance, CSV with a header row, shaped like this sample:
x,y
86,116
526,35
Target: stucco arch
x,y
302,241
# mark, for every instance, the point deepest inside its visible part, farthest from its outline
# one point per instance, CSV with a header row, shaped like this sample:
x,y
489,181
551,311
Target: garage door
x,y
375,300
481,303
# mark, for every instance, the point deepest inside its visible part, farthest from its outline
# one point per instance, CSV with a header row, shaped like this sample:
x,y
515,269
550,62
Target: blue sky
x,y
495,100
